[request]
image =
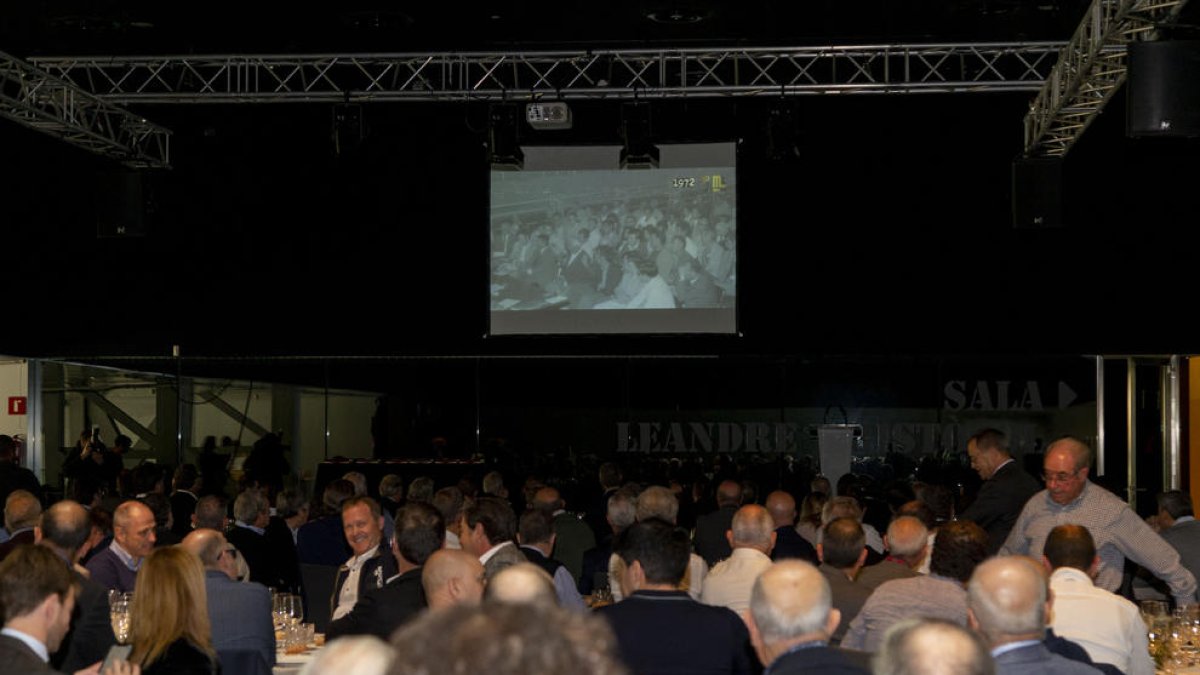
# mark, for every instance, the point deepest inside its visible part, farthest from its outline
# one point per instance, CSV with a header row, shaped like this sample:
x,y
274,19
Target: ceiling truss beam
x,y
608,74
36,99
1091,68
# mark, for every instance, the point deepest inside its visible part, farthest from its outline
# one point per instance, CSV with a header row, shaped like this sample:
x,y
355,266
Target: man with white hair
x,y
791,619
751,536
907,542
1008,603
932,647
659,502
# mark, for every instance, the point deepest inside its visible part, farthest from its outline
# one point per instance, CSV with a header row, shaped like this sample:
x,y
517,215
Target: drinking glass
x,y
295,609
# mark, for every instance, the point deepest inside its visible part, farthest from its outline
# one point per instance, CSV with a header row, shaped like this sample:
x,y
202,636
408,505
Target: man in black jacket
x,y
420,532
370,566
1006,487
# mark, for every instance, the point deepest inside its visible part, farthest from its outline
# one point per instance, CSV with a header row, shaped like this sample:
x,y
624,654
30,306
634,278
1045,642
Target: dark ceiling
x,y
273,26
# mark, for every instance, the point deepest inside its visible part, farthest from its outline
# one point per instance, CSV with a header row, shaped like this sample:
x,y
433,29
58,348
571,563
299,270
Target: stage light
x,y
504,150
639,152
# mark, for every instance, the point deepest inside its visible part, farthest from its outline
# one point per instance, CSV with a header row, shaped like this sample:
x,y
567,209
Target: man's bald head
x,y
133,528
66,526
931,647
782,507
752,527
907,537
548,499
452,576
523,583
213,549
790,600
729,493
21,510
1006,598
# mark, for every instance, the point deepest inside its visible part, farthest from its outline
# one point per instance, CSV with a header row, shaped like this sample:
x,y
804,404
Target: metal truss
x,y
1091,69
609,74
35,99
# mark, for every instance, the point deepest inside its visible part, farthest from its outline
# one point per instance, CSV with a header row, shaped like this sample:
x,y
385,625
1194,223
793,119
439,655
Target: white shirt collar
x,y
1183,519
32,642
1070,574
492,551
1013,646
357,561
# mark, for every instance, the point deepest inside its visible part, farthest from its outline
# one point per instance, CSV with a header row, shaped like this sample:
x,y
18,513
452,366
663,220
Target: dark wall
x,y
890,233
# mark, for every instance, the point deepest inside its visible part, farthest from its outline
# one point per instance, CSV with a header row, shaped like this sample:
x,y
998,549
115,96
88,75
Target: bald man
x,y
523,583
752,536
907,542
932,647
788,542
711,543
1008,603
240,613
1070,497
116,567
791,618
21,512
572,536
452,577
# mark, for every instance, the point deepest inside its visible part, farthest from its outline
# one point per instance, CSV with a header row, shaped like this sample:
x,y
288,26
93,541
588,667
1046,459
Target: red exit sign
x,y
16,405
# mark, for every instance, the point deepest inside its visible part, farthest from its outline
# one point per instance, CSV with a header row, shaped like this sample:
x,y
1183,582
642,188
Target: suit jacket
x,y
7,547
821,661
872,576
1037,660
283,547
183,505
17,657
789,544
572,538
240,615
375,572
381,611
505,556
91,631
260,556
667,632
711,543
1000,501
1185,538
322,542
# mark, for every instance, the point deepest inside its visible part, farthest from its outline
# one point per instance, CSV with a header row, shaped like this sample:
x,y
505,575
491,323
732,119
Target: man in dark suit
x,y
370,564
37,591
659,628
21,513
1008,603
420,531
240,613
791,619
572,536
1006,487
252,514
788,542
65,529
184,498
711,543
488,531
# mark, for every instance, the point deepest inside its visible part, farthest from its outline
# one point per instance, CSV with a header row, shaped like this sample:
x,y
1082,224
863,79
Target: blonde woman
x,y
169,627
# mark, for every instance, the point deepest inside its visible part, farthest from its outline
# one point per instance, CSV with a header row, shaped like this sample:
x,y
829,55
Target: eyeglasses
x,y
1060,476
231,552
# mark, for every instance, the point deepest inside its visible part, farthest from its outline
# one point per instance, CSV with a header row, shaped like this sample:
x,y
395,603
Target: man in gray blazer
x,y
1179,528
240,613
1008,604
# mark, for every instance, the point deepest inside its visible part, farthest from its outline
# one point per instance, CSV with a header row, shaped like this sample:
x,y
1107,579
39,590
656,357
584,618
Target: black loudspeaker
x,y
124,203
1163,89
1037,192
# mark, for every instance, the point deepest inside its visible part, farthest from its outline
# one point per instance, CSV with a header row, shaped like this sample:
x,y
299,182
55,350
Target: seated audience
x,y
419,530
1178,527
752,536
907,543
788,542
506,639
169,627
537,538
791,619
1108,626
959,547
21,512
116,567
710,540
369,566
321,541
252,514
525,583
621,512
238,613
842,551
1009,605
452,577
488,531
659,502
932,647
186,483
450,502
659,628
357,655
572,536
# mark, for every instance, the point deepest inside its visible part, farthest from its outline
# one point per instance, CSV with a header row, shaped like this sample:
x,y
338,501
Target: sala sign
x,y
1001,395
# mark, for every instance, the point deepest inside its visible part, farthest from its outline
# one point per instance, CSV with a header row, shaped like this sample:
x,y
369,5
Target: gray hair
x,y
752,526
359,480
352,655
791,598
931,647
622,510
1008,597
248,505
657,502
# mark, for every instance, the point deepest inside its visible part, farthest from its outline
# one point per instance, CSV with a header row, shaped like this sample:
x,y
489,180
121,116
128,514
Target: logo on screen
x,y
718,183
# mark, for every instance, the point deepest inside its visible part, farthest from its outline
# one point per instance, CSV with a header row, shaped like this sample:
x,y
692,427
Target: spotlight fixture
x,y
348,127
639,151
783,131
504,150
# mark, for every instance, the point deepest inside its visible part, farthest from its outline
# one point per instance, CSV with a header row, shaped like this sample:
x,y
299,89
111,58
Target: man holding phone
x,y
37,592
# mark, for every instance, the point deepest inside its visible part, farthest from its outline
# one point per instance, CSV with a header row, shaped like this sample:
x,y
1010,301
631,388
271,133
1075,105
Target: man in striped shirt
x,y
1070,498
